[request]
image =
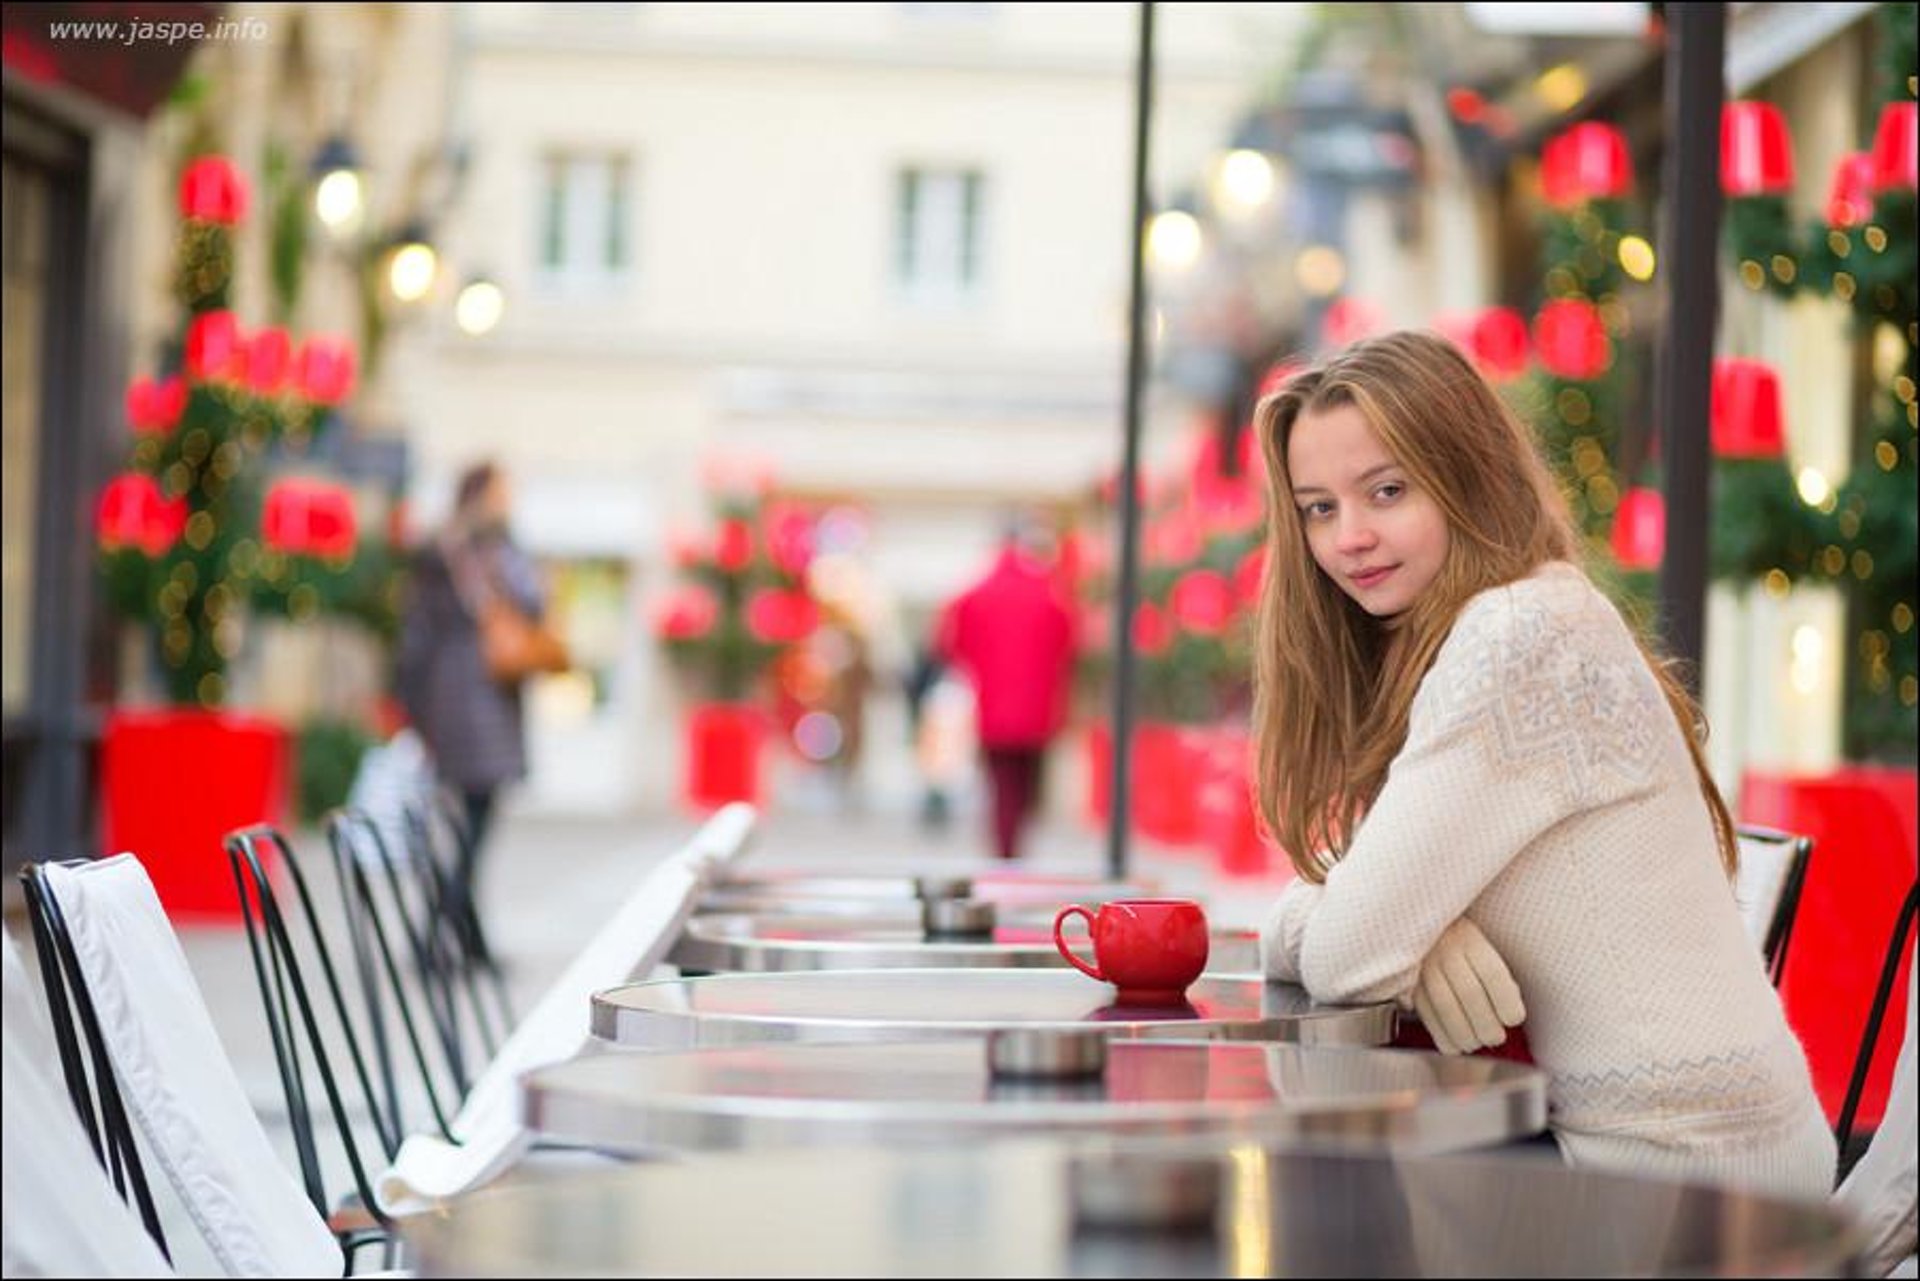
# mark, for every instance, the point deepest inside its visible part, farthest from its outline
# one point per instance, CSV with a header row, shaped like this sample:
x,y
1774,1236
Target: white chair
x,y
490,1135
61,1216
1773,867
1882,1191
177,1082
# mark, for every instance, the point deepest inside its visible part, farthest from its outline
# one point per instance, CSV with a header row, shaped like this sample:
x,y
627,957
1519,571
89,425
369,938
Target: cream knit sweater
x,y
1546,792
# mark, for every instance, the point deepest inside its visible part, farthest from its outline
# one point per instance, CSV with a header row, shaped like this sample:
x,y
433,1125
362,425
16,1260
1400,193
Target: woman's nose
x,y
1354,533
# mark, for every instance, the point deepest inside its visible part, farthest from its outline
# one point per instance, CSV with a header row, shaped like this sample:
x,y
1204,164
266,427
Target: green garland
x,y
1864,540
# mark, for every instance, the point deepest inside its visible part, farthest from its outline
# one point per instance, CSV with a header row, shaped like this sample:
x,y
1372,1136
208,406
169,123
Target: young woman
x,y
1459,736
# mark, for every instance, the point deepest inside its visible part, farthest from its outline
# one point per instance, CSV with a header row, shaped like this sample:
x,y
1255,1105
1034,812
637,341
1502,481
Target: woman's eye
x,y
1390,491
1314,511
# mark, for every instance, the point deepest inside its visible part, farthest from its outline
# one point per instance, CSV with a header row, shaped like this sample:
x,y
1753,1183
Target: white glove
x,y
1466,996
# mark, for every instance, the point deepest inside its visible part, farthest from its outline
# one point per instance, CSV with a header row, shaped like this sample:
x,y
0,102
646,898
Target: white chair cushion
x,y
1882,1190
61,1217
428,1169
178,1083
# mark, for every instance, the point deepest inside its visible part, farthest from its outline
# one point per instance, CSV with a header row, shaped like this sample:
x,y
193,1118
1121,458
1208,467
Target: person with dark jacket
x,y
1011,634
472,724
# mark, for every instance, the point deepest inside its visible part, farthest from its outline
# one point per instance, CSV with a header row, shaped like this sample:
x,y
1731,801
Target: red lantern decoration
x,y
1756,152
1278,374
269,361
1348,320
1572,340
215,348
1499,342
309,517
1850,198
1250,574
1745,412
1895,143
688,614
323,371
734,548
1587,162
133,513
1203,602
781,617
154,406
212,190
789,534
1152,633
1640,529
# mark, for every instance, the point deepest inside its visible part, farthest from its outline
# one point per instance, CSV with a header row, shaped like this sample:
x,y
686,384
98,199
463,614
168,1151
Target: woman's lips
x,y
1371,577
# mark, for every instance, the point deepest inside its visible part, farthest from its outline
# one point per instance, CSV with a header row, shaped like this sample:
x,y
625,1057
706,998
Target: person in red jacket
x,y
1011,634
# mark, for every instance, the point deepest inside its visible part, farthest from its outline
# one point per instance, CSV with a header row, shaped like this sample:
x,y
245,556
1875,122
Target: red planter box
x,y
173,783
723,755
1862,824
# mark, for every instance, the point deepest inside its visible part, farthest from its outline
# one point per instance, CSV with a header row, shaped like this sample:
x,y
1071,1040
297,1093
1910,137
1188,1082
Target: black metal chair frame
x,y
1780,928
353,836
456,909
90,1080
283,991
1876,1015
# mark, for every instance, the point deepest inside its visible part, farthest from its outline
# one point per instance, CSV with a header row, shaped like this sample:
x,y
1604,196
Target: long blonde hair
x,y
1333,685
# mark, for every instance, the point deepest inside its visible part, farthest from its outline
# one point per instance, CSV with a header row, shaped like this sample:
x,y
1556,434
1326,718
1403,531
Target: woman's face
x,y
1377,535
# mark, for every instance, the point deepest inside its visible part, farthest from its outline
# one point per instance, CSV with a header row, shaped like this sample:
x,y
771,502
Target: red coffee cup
x,y
1149,948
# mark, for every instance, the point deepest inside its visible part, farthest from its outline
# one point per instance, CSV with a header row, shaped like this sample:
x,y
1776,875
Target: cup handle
x,y
1059,940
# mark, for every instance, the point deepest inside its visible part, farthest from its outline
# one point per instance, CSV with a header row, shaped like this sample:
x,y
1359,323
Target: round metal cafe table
x,y
950,1091
1047,1209
738,943
911,1005
880,889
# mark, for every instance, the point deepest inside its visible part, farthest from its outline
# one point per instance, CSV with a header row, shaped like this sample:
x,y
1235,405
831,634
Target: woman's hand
x,y
1466,996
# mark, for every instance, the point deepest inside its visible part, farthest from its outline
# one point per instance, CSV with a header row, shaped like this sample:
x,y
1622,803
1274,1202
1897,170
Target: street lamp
x,y
412,264
479,307
339,193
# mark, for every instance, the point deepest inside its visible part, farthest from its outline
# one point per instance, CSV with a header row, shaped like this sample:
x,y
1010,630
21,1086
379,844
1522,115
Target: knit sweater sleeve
x,y
1538,707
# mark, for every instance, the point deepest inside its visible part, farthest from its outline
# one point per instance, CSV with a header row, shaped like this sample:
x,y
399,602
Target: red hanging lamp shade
x,y
323,370
1348,320
688,614
1895,143
1587,162
216,349
1639,536
1572,340
133,513
212,190
309,517
1499,342
1850,196
1203,601
1756,152
269,361
154,405
781,616
1745,413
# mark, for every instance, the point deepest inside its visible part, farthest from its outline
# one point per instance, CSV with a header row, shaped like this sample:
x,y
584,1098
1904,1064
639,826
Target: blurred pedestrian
x,y
466,577
1011,635
1495,798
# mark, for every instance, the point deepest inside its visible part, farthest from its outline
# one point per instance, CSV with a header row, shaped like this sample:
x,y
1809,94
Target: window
x,y
938,247
585,221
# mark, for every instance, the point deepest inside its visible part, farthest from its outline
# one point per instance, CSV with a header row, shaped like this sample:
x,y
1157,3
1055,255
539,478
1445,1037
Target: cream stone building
x,y
882,248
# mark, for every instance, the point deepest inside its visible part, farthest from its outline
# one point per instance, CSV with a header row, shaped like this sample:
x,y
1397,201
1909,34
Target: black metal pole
x,y
1689,266
1121,801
